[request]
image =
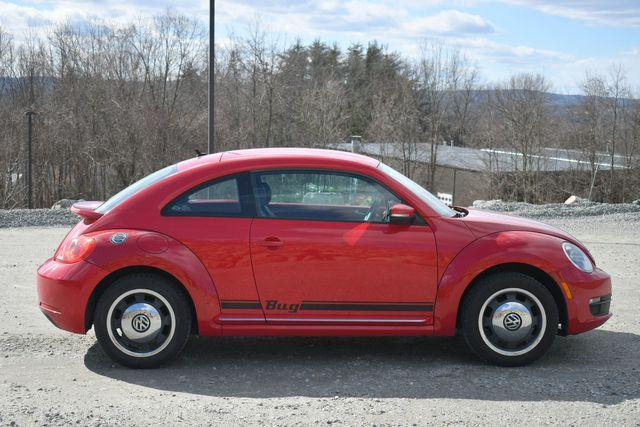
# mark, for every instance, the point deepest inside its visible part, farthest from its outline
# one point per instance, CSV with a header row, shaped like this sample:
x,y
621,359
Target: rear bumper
x,y
63,292
582,316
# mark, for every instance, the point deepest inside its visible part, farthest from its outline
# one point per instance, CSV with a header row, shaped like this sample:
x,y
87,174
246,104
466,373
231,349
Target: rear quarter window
x,y
225,197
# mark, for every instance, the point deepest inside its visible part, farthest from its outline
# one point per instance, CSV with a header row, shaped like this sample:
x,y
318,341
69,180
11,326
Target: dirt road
x,y
51,377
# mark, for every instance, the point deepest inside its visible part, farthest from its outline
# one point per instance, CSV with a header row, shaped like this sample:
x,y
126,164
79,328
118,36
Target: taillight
x,y
76,249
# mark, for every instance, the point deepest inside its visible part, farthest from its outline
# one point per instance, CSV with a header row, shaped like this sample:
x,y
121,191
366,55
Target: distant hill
x,y
6,83
555,99
480,96
564,100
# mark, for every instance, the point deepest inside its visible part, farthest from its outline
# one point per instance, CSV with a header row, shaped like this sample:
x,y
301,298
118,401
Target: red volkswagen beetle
x,y
312,242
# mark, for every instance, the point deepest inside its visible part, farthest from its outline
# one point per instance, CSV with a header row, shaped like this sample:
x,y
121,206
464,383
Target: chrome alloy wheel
x,y
141,323
512,321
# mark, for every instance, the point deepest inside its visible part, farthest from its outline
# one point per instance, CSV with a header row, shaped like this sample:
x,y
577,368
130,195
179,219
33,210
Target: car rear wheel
x,y
142,320
509,319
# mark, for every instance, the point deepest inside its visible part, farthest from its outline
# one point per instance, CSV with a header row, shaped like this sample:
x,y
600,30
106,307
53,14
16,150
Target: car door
x,y
213,220
323,251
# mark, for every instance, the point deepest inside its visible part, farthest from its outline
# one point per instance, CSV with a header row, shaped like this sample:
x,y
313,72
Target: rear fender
x,y
522,247
118,249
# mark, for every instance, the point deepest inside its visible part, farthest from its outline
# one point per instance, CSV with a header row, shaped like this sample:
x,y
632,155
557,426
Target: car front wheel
x,y
509,319
142,320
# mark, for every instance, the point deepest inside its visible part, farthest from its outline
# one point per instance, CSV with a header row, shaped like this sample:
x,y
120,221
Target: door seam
x,y
253,271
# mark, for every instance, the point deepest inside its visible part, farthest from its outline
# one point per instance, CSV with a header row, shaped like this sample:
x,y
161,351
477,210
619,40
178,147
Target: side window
x,y
223,197
320,195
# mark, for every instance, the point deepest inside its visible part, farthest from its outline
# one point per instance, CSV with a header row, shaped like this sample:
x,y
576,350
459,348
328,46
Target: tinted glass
x,y
435,203
135,187
218,198
322,196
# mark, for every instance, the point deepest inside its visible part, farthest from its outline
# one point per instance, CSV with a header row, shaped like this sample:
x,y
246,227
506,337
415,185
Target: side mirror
x,y
401,214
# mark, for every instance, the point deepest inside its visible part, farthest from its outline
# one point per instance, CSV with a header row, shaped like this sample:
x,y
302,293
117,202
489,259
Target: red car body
x,y
264,276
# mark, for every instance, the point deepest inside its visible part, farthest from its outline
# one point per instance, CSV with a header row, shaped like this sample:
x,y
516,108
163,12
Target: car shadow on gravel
x,y
599,366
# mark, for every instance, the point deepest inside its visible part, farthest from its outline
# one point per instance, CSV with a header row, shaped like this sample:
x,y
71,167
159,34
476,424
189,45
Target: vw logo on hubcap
x,y
140,323
512,322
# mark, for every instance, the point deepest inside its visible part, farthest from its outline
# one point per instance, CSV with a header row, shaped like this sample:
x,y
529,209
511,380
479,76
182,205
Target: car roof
x,y
294,155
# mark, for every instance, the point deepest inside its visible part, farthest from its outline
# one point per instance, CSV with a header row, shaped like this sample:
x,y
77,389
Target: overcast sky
x,y
562,39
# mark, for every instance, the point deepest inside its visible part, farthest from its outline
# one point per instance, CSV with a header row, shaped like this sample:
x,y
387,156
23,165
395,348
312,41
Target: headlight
x,y
577,257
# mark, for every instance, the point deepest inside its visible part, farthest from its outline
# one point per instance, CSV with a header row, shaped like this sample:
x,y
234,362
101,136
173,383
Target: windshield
x,y
135,187
435,203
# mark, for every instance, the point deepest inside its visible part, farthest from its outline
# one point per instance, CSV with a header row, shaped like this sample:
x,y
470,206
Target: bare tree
x,y
395,122
617,92
522,109
446,84
116,102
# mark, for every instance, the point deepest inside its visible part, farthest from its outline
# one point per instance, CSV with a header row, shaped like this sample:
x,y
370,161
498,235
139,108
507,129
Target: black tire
x,y
168,320
496,341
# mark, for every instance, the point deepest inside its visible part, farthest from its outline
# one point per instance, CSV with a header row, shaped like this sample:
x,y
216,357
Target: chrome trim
x,y
241,319
499,318
111,333
118,238
355,320
141,322
512,321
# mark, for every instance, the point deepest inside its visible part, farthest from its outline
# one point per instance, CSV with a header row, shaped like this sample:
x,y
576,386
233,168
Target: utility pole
x,y
211,145
29,114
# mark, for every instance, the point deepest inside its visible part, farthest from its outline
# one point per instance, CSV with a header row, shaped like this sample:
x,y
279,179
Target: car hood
x,y
482,223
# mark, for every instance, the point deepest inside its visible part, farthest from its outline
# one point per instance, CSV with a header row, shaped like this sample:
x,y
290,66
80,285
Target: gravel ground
x,y
560,210
50,377
59,217
36,217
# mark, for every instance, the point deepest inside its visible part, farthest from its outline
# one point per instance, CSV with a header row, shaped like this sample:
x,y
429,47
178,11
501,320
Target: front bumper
x,y
583,287
64,290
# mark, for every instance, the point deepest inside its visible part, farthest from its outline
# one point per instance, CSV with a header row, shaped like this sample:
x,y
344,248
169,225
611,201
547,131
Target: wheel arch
x,y
102,286
531,271
171,259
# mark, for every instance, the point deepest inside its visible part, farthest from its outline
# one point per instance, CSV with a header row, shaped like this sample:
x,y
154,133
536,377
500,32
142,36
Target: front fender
x,y
522,247
143,248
